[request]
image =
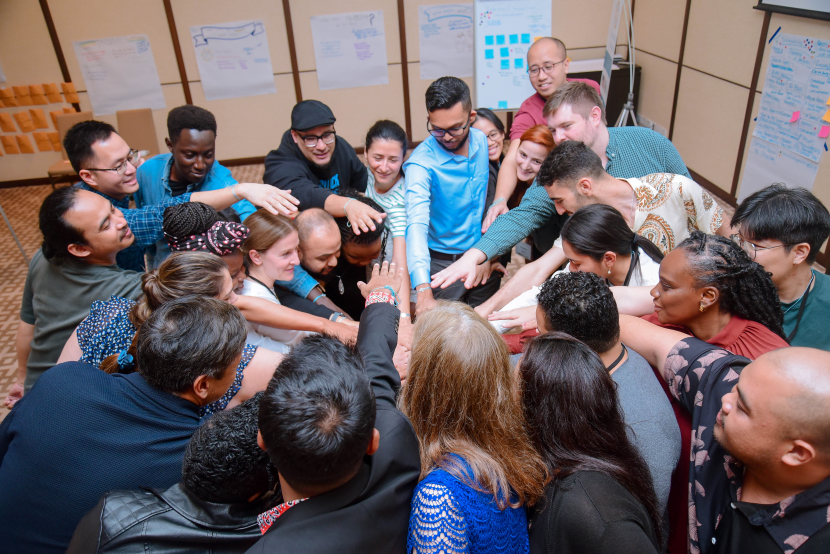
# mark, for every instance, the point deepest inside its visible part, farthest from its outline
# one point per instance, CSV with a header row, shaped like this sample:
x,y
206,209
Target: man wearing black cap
x,y
313,163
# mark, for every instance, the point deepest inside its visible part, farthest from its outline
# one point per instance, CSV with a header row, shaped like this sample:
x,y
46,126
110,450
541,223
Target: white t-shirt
x,y
270,338
392,202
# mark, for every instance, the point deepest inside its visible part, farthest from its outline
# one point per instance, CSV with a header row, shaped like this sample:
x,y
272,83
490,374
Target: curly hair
x,y
746,290
581,305
189,117
347,234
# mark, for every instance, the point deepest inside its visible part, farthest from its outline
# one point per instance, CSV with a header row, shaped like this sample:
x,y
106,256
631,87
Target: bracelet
x,y
380,296
394,294
335,316
498,200
233,191
318,297
346,204
404,315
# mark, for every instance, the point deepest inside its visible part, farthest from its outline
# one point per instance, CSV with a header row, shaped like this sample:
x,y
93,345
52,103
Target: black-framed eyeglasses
x,y
751,248
454,132
132,158
311,140
533,71
494,135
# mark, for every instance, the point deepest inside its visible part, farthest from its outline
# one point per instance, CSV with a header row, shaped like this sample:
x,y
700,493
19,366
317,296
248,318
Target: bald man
x,y
759,477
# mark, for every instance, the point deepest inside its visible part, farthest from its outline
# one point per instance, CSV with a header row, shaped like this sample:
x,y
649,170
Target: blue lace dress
x,y
451,517
107,330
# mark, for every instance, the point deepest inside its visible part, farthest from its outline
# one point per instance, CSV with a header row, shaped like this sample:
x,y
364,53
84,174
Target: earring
x,y
609,272
702,307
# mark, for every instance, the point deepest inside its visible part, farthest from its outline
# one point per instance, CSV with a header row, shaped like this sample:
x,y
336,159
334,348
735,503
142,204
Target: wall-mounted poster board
x,y
504,30
815,9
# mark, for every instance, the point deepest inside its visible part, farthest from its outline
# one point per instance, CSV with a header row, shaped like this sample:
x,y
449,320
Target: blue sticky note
x,y
505,64
488,40
518,63
514,39
502,104
525,38
488,53
500,39
504,52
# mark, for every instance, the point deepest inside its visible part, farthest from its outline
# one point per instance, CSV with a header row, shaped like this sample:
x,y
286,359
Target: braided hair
x,y
347,234
189,218
746,290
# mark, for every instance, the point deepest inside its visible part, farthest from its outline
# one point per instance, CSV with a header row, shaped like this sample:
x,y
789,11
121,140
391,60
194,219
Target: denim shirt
x,y
154,187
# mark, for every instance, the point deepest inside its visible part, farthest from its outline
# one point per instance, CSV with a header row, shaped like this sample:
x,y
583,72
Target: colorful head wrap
x,y
223,238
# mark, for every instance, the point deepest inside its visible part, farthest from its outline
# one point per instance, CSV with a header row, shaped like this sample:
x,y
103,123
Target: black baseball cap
x,y
309,114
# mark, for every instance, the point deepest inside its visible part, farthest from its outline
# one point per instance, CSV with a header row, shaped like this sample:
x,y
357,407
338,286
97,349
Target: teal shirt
x,y
815,322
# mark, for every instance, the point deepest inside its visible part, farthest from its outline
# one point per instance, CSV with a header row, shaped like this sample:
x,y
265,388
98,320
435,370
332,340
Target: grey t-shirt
x,y
56,298
652,426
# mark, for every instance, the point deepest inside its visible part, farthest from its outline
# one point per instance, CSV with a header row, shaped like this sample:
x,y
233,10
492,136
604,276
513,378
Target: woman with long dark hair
x,y
600,499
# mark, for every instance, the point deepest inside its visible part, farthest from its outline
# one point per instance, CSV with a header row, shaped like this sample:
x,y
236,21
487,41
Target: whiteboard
x,y
504,30
818,9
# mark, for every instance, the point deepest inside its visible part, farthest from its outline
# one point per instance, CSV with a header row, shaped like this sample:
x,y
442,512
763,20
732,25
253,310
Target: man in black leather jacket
x,y
227,480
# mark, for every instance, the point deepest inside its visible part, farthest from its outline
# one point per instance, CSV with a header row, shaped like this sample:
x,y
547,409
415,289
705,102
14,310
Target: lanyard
x,y
271,290
614,365
803,300
635,259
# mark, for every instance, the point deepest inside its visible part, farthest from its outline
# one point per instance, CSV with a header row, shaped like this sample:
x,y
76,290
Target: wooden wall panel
x,y
656,88
657,27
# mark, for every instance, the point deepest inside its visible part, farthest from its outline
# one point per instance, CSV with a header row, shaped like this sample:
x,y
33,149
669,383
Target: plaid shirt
x,y
145,223
632,152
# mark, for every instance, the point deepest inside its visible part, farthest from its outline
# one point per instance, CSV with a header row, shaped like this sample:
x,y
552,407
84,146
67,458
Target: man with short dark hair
x,y
190,166
581,305
446,192
312,163
783,229
347,459
81,432
227,481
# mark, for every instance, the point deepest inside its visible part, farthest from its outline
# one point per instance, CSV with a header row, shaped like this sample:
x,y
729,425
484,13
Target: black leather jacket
x,y
167,522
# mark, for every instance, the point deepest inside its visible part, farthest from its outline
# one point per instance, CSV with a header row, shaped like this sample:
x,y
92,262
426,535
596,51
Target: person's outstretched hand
x,y
15,394
273,199
362,217
345,332
382,276
495,211
465,268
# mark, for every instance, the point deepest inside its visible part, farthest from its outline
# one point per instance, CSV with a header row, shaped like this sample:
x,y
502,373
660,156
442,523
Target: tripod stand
x,y
628,108
627,111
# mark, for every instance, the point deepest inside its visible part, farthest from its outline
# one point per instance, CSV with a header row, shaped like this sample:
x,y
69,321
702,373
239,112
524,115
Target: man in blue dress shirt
x,y
446,190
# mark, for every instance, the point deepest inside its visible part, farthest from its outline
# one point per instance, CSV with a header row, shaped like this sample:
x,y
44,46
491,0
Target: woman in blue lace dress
x,y
106,337
478,468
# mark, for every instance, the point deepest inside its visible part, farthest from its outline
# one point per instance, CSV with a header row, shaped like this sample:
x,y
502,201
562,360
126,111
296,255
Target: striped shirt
x,y
632,152
392,202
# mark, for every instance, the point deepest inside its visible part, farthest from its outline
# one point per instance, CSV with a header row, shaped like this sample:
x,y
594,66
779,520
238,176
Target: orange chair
x,y
137,128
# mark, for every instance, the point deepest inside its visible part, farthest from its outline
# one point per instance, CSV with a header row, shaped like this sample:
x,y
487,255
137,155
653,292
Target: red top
x,y
530,112
740,336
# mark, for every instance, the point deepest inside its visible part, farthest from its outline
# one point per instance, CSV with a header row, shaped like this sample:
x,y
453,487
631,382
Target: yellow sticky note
x,y
55,139
24,122
6,123
42,142
67,110
39,118
9,145
25,144
52,93
826,116
69,93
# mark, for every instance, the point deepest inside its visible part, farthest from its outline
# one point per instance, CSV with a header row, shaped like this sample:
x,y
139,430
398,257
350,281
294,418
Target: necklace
x,y
810,284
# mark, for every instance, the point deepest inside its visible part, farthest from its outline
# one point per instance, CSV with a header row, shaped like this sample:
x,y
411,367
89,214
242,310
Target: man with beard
x,y
313,163
759,478
446,190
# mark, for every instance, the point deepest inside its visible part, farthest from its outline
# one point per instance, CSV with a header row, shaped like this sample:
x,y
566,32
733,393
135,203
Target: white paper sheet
x,y
504,30
445,37
120,74
233,59
350,50
768,163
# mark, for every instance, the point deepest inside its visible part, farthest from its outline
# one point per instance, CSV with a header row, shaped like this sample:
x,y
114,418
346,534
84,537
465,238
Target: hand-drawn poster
x,y
445,38
120,74
350,50
233,59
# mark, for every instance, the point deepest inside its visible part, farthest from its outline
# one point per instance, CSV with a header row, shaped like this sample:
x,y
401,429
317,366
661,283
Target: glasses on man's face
x,y
546,67
311,140
454,132
132,158
751,248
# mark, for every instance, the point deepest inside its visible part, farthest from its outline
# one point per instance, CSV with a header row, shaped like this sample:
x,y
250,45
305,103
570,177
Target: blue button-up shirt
x,y
445,197
154,187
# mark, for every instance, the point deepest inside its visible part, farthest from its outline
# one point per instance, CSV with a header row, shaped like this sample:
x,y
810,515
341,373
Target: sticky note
x,y
504,52
55,139
828,100
25,144
54,115
9,145
505,64
824,132
488,53
796,115
518,63
500,39
38,118
69,93
1,152
24,122
514,39
489,40
22,95
525,38
6,123
826,116
52,93
37,95
42,142
7,96
536,38
502,104
69,110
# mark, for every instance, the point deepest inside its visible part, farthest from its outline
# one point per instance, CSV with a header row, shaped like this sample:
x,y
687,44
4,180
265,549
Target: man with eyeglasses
x,y
547,69
783,229
446,190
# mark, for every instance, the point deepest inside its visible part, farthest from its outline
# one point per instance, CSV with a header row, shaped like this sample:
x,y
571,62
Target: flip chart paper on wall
x,y
233,59
500,82
120,74
350,50
445,38
769,163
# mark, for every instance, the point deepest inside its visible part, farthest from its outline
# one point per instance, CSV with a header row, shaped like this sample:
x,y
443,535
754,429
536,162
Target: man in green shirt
x,y
783,229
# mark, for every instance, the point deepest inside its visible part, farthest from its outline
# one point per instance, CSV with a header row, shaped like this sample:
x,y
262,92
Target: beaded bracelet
x,y
379,295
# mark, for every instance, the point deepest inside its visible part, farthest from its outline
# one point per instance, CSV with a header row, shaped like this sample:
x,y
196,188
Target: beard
x,y
460,144
323,278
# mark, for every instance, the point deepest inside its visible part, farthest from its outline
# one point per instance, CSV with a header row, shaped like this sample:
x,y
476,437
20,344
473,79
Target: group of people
x,y
234,367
